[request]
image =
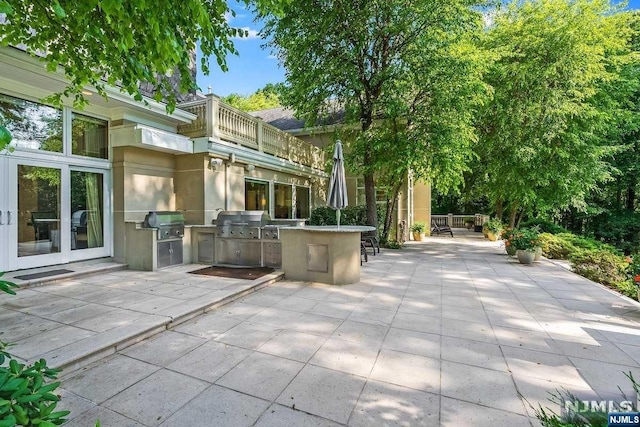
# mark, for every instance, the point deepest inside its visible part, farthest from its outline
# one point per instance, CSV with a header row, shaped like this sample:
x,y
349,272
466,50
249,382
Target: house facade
x,y
75,184
414,200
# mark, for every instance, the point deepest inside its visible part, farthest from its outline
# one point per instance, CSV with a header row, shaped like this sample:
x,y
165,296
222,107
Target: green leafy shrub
x,y
603,266
5,286
544,226
351,215
555,247
587,243
26,399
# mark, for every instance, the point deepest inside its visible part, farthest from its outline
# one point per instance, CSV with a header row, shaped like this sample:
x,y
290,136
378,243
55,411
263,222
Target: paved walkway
x,y
446,332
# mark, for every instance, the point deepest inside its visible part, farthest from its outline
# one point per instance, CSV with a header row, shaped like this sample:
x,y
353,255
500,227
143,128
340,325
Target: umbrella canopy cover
x,y
337,197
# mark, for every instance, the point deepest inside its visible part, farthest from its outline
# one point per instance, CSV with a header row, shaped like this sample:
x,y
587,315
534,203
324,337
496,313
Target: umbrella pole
x,y
338,217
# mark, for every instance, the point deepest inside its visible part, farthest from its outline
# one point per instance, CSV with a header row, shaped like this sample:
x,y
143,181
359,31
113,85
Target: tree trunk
x,y
369,182
512,215
631,197
391,207
499,209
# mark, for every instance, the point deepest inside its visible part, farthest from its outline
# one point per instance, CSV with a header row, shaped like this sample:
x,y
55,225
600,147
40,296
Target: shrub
x,y
555,247
587,243
603,266
544,226
26,399
351,215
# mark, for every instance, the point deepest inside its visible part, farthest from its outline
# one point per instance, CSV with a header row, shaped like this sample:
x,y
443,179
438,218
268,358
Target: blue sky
x,y
254,67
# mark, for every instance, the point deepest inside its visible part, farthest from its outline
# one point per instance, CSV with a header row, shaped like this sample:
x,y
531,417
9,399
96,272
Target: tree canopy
x,y
367,57
557,97
123,43
262,99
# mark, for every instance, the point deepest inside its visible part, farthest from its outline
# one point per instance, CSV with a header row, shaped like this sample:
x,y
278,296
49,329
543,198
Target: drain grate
x,y
43,274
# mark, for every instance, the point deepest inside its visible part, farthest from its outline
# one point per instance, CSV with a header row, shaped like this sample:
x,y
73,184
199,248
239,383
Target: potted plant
x,y
526,240
507,237
494,228
418,230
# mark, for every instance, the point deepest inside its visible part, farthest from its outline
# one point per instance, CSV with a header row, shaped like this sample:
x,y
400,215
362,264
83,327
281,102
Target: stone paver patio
x,y
446,332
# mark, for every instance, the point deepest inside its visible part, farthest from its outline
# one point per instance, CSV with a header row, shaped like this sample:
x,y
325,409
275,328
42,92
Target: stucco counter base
x,y
322,254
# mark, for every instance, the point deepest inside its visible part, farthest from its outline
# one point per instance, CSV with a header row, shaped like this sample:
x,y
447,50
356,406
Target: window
x,y
381,193
303,198
283,201
88,137
256,195
32,125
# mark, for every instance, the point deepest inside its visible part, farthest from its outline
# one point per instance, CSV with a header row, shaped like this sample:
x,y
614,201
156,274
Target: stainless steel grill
x,y
241,224
170,224
246,238
170,229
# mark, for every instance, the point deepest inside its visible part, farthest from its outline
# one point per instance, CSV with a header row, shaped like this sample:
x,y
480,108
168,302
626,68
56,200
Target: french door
x,y
52,213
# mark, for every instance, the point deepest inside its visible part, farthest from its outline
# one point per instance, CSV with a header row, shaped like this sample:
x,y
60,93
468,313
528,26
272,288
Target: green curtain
x,y
95,237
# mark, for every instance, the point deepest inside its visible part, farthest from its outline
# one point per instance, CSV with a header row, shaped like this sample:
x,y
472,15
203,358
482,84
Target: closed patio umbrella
x,y
337,198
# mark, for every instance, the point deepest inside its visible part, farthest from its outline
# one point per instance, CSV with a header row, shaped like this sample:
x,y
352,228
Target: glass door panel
x,y
38,216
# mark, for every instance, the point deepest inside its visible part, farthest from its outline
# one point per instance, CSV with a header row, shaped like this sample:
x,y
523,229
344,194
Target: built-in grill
x,y
170,229
241,224
170,224
245,238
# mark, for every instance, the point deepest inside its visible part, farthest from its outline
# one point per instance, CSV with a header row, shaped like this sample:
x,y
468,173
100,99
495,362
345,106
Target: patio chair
x,y
438,229
370,239
363,253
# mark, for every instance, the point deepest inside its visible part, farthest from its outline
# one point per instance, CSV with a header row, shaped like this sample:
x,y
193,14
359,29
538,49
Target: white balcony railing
x,y
219,120
459,221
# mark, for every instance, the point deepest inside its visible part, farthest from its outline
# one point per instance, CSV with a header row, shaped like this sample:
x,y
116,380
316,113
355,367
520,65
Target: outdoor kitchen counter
x,y
325,254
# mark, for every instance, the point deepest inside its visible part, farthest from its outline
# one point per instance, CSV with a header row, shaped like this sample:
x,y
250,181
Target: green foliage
x,y
587,243
571,418
392,244
351,215
100,42
262,99
545,226
405,74
604,267
525,238
555,247
558,94
494,225
5,286
418,227
26,398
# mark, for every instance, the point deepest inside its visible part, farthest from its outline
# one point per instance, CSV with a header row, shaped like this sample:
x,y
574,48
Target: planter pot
x,y
419,237
511,250
525,257
485,232
492,236
538,254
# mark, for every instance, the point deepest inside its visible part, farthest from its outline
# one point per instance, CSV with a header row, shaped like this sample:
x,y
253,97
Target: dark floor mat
x,y
43,274
235,273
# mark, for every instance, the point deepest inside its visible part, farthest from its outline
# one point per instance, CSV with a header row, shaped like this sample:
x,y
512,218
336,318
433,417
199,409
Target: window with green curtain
x,y
87,221
89,137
